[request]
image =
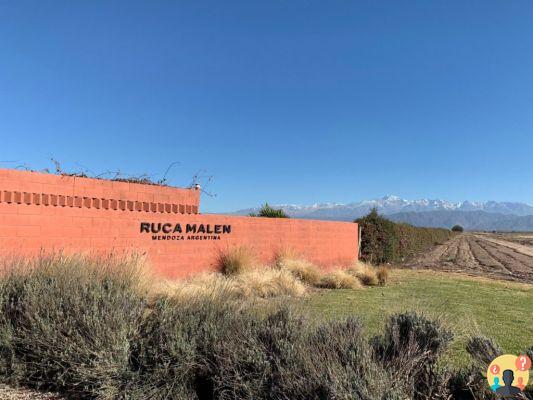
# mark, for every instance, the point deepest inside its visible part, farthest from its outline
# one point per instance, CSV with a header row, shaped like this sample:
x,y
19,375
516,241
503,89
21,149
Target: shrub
x,y
457,228
483,350
164,357
366,274
383,275
301,269
411,346
334,361
339,279
267,211
378,239
66,323
236,260
383,241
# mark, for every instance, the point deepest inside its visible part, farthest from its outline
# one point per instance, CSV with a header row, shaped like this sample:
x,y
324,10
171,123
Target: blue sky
x,y
281,101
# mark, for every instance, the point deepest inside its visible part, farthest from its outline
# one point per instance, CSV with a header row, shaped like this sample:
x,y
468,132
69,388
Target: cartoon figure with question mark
x,y
508,375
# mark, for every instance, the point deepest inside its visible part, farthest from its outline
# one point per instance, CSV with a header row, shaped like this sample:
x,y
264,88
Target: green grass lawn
x,y
498,309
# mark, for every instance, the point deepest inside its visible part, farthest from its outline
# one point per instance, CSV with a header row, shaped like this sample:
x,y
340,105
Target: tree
x,y
457,228
269,212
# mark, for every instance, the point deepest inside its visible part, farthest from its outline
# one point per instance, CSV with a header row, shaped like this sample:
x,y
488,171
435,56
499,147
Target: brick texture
x,y
52,213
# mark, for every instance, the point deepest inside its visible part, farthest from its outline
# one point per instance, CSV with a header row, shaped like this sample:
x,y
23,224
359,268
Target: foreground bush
x,y
85,328
66,324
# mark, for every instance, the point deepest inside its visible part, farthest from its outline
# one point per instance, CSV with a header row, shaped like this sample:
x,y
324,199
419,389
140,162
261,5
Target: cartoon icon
x,y
523,362
496,385
508,389
508,374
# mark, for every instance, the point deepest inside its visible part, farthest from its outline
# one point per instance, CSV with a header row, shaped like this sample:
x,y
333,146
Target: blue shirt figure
x,y
496,384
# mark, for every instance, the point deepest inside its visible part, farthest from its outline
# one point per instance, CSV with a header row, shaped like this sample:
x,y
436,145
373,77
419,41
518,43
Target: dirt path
x,y
481,255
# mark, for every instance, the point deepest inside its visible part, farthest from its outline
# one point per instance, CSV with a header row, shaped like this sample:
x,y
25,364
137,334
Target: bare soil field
x,y
500,256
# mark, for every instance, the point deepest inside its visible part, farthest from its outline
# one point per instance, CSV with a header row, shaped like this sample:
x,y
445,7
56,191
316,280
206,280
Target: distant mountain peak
x,y
393,204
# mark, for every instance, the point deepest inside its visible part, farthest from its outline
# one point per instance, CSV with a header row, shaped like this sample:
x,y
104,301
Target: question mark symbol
x,y
523,363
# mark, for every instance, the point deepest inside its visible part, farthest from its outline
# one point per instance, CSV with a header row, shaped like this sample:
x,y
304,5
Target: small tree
x,y
457,228
270,212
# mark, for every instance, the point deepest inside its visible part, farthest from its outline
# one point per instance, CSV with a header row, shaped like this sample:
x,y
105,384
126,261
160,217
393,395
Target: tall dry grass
x,y
301,269
366,274
339,279
236,260
261,283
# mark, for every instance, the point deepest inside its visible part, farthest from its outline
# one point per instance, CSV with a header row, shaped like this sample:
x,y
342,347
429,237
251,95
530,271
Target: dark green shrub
x,y
383,241
378,240
457,228
269,212
66,324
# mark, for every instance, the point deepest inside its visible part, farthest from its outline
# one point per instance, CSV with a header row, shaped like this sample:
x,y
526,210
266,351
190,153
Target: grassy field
x,y
498,309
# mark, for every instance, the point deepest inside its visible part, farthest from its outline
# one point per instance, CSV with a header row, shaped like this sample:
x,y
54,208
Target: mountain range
x,y
479,215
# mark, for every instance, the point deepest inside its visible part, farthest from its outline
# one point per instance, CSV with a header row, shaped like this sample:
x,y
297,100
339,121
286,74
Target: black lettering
x,y
145,227
209,230
201,229
167,228
154,237
177,228
218,228
190,228
226,229
154,230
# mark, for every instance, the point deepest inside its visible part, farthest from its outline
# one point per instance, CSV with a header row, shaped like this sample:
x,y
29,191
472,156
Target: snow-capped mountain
x,y
392,205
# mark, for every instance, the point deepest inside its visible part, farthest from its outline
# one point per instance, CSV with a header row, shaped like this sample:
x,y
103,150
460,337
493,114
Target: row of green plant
x,y
385,241
88,330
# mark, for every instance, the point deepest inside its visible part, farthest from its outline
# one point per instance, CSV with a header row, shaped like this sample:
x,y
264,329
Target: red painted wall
x,y
50,212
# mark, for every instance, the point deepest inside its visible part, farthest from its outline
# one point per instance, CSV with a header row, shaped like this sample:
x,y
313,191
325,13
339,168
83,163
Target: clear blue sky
x,y
281,101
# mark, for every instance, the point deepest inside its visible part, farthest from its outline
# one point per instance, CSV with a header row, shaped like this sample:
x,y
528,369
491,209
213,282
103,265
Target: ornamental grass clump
x,y
339,279
302,269
236,260
366,274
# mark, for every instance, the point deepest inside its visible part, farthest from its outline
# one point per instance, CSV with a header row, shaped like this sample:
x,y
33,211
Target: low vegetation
x,y
457,228
236,260
56,316
384,241
96,329
267,211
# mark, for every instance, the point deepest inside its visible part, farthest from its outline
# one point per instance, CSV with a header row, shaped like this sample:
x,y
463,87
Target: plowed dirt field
x,y
500,256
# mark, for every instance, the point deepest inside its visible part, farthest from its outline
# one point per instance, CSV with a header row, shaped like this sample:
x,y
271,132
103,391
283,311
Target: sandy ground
x,y
8,393
491,255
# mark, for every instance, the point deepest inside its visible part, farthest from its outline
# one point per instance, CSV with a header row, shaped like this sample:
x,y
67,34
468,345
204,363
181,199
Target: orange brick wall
x,y
43,211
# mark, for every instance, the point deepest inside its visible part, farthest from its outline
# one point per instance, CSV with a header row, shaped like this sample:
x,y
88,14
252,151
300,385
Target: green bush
x,y
384,241
66,324
457,228
267,211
